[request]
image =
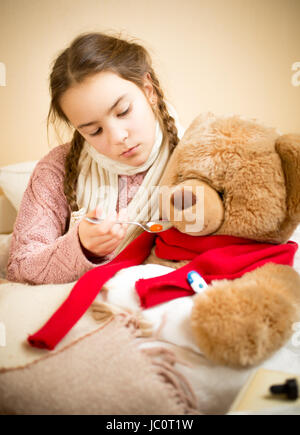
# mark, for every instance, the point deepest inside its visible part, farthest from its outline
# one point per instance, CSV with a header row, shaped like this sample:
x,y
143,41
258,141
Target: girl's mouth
x,y
131,151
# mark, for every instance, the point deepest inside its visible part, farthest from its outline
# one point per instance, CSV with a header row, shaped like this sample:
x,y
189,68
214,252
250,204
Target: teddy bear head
x,y
233,176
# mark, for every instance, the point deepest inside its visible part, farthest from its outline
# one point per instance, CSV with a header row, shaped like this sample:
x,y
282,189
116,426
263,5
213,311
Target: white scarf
x,y
98,184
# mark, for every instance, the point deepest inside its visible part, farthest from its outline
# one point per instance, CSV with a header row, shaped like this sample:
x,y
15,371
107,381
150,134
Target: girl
x,y
105,88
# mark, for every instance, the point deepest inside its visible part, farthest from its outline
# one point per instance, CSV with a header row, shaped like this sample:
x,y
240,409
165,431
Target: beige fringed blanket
x,y
95,369
62,379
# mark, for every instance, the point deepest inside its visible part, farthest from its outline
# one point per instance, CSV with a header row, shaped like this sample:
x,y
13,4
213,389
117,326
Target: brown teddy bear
x,y
231,190
246,178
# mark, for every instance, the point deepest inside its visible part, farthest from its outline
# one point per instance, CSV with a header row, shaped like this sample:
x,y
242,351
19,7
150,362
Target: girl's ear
x,y
149,89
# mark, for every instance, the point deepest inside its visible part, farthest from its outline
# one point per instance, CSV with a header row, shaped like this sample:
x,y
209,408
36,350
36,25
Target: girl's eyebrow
x,y
109,111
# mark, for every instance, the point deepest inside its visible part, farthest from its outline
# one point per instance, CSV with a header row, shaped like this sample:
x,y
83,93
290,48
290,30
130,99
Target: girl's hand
x,y
103,238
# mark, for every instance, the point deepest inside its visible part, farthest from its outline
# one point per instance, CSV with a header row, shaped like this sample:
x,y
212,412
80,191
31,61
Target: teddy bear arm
x,y
242,322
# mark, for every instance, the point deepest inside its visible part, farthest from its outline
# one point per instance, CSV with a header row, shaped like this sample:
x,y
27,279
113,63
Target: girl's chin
x,y
135,160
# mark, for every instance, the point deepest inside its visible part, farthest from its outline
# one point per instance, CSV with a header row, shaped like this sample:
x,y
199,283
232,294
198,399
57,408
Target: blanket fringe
x,y
103,312
164,361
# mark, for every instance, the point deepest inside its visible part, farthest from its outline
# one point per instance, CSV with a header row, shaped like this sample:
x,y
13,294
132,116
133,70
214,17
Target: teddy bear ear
x,y
288,148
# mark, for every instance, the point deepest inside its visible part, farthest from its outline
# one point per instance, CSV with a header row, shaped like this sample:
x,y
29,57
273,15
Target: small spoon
x,y
151,227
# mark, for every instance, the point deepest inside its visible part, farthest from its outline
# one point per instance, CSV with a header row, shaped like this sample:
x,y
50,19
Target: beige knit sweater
x,y
42,251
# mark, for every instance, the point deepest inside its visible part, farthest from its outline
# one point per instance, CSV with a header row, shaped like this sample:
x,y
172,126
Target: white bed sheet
x,y
215,386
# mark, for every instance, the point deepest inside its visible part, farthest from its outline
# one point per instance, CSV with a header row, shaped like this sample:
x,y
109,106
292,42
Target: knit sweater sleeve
x,y
41,250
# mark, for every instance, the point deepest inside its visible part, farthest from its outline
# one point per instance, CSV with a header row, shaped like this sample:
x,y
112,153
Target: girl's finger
x,y
106,225
118,231
95,213
107,248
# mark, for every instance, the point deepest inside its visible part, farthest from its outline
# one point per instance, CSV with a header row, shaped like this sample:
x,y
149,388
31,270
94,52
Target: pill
x,y
155,227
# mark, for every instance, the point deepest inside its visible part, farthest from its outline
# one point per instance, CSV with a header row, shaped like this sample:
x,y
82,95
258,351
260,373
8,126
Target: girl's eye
x,y
98,131
124,113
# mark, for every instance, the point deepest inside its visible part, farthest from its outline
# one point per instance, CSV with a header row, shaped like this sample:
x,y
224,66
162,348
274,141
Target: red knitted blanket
x,y
214,257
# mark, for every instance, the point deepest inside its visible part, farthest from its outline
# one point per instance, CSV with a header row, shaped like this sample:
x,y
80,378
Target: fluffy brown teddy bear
x,y
250,188
231,190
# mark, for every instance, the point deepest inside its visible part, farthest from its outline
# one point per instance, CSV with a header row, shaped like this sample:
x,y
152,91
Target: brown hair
x,y
89,54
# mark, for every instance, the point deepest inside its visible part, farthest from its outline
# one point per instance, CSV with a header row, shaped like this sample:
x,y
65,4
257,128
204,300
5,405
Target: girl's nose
x,y
118,136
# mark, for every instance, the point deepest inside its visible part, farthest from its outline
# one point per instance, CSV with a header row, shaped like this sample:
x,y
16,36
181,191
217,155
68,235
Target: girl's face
x,y
114,116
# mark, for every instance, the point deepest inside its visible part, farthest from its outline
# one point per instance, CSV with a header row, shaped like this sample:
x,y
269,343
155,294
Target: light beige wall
x,y
226,56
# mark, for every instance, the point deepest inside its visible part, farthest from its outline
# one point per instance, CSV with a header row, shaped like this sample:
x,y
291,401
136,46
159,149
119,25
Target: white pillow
x,y
14,180
7,215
